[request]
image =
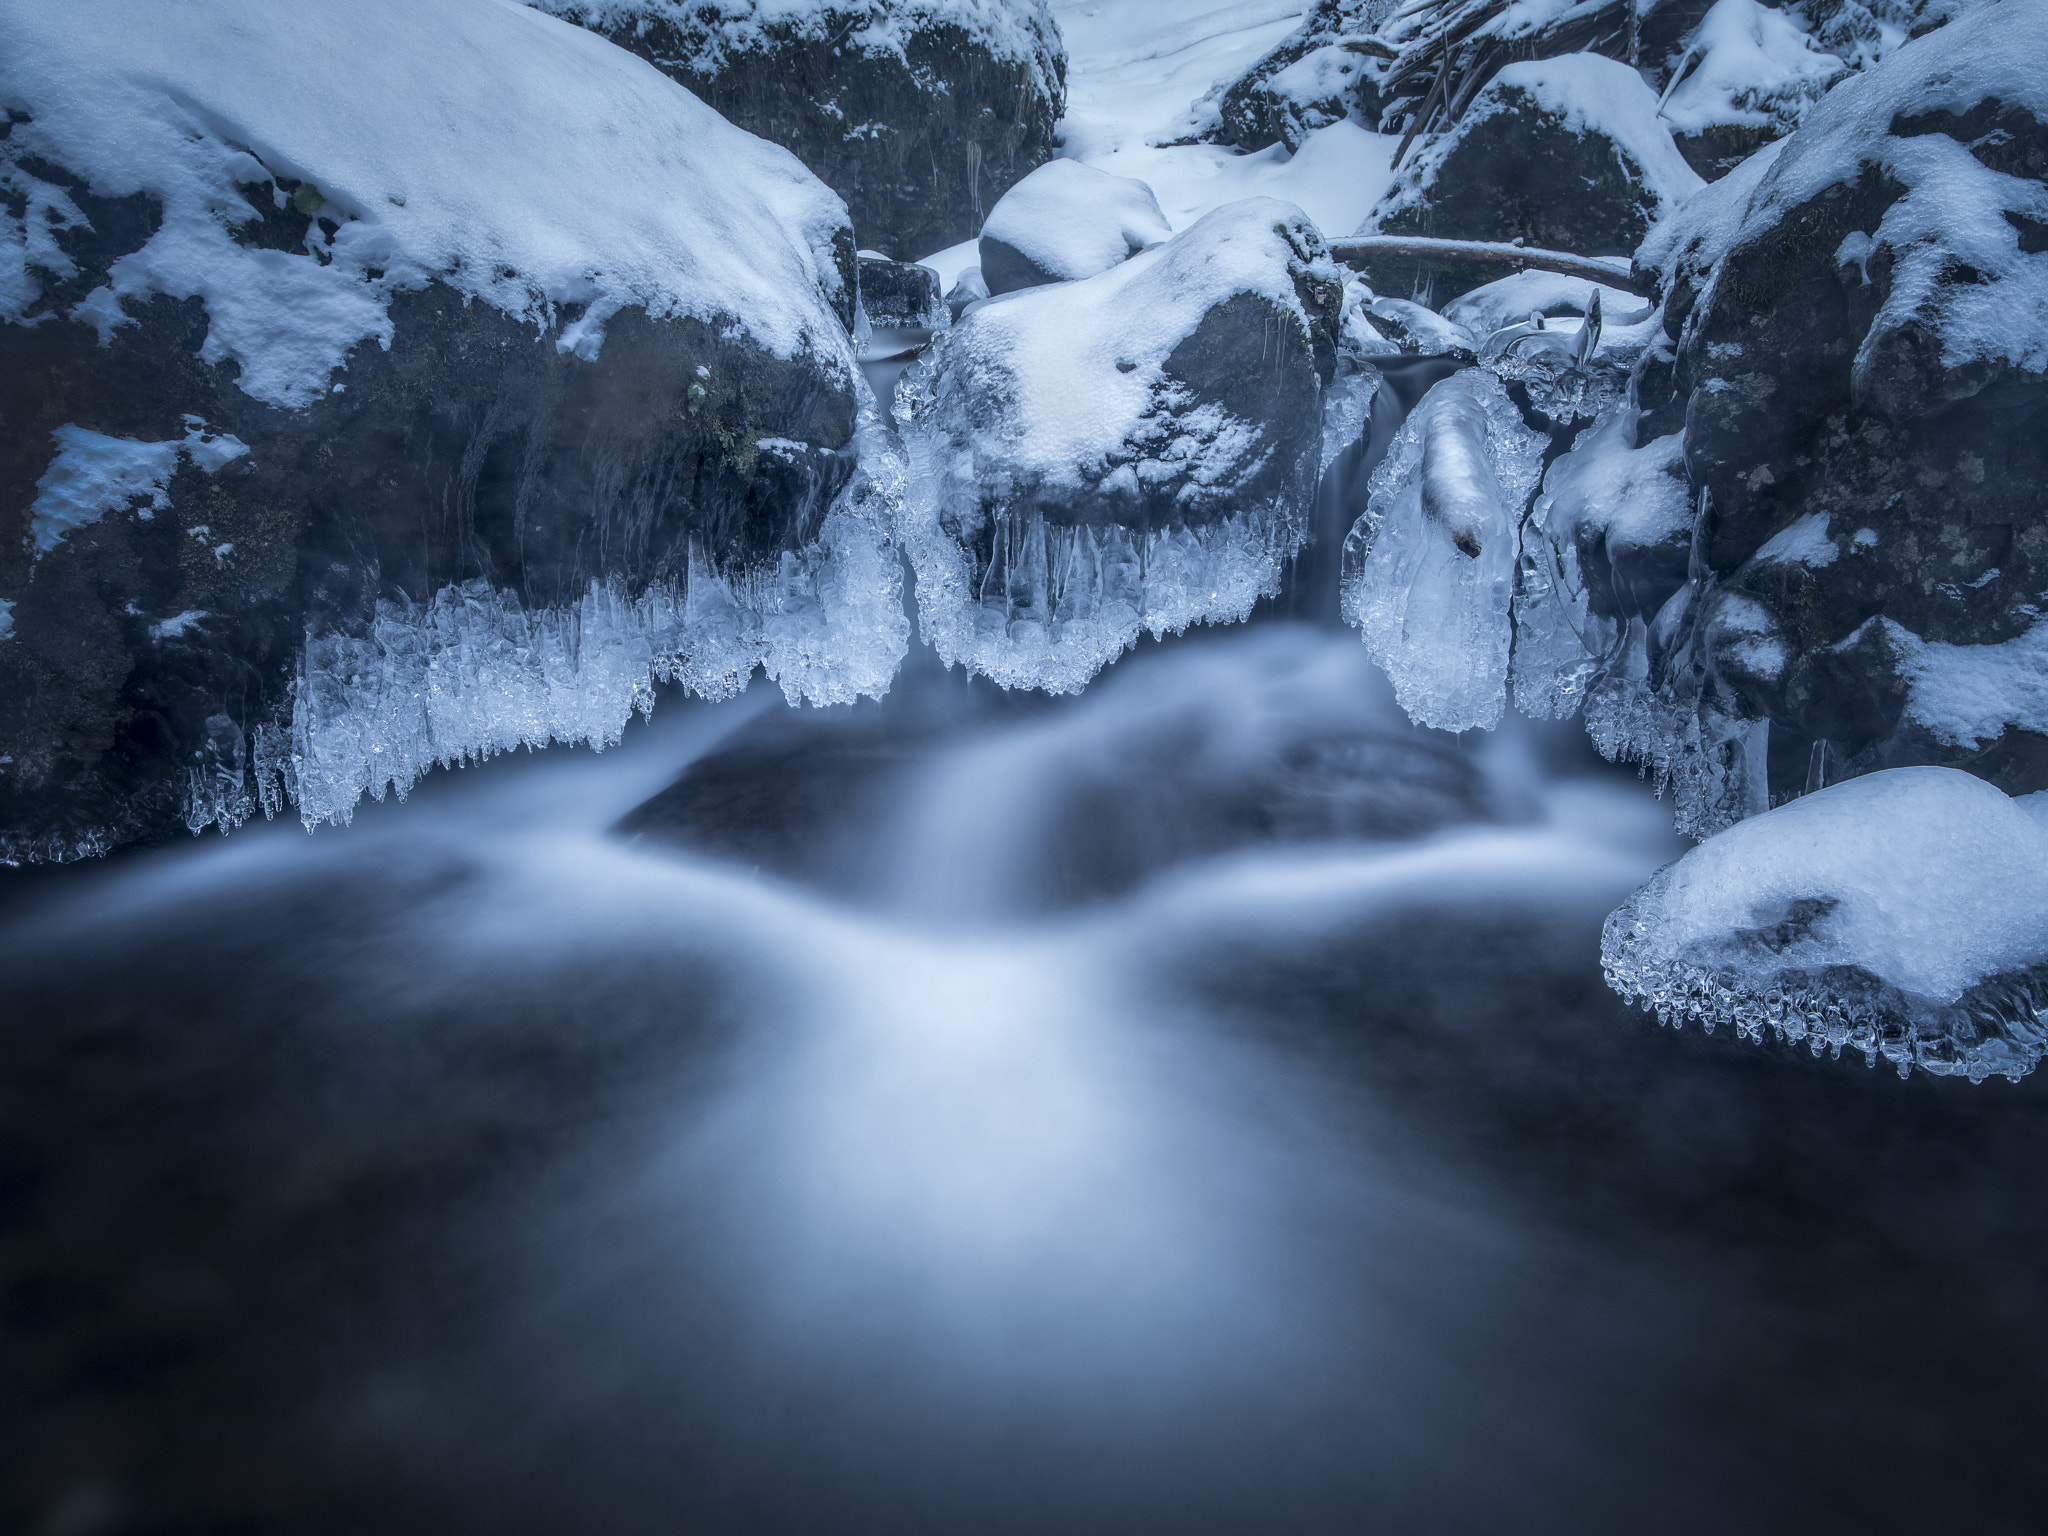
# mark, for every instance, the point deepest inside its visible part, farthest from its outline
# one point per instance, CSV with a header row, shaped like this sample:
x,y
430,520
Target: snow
x,y
1753,66
188,102
1135,79
6,618
1062,387
94,474
1927,881
1591,95
1952,210
1073,221
1804,541
1966,695
1429,569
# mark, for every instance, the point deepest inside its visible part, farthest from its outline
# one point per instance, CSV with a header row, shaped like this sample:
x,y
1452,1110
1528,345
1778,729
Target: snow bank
x,y
1904,913
526,162
1068,221
1749,65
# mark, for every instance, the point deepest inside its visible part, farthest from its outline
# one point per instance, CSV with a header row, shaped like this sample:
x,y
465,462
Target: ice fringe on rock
x,y
1429,569
474,672
1903,913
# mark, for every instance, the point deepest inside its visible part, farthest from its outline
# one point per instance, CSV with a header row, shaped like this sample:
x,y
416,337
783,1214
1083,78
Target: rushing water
x,y
1189,1107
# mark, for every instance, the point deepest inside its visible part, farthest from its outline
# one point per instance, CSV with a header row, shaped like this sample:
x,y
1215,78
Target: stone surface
x,y
1324,73
1866,417
920,113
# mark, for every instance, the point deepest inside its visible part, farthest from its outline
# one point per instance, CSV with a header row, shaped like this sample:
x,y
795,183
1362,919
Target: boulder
x,y
1564,153
1325,72
919,113
344,434
1860,320
900,296
1137,450
1066,221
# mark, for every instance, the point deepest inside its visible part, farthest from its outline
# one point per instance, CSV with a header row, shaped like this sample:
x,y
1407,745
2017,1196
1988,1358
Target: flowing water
x,y
1189,1107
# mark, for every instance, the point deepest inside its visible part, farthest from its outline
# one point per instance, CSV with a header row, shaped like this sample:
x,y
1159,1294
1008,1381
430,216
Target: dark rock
x,y
1553,154
900,296
1869,448
920,113
1327,71
155,649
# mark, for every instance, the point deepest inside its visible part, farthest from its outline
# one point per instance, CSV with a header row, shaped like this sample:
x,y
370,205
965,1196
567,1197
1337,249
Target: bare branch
x,y
1609,271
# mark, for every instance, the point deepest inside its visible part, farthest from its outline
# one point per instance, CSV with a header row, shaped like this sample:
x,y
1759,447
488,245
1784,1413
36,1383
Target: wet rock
x,y
1565,154
920,113
900,296
1859,358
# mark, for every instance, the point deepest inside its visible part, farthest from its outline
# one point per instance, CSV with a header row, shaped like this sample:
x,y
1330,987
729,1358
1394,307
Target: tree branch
x,y
1608,271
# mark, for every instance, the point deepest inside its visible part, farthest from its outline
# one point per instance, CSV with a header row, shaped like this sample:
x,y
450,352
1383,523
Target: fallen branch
x,y
1608,271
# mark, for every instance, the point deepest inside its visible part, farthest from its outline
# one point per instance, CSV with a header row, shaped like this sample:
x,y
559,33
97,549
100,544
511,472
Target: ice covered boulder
x,y
1860,317
364,416
900,296
1748,73
920,113
1325,72
1134,451
1429,570
1904,914
1065,221
1567,154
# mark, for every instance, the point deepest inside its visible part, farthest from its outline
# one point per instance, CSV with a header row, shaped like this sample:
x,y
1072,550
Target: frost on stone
x,y
1068,490
94,474
474,672
1903,913
1429,570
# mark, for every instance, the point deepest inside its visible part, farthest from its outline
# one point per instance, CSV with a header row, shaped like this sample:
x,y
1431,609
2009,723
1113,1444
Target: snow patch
x,y
1072,221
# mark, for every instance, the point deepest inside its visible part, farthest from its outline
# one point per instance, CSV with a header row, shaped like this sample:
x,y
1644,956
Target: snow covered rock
x,y
920,113
1565,153
363,418
1065,221
1860,317
1327,71
1134,451
1748,73
1904,914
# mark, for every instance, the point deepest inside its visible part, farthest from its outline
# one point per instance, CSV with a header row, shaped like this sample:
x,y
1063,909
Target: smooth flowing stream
x,y
1193,1106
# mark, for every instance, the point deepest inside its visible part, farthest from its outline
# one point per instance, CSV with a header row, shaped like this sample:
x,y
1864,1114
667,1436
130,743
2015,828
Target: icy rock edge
x,y
1904,914
474,672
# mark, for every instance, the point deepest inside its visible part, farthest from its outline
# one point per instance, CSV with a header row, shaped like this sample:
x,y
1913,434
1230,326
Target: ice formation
x,y
1044,427
1069,221
1904,913
475,672
557,215
1429,571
